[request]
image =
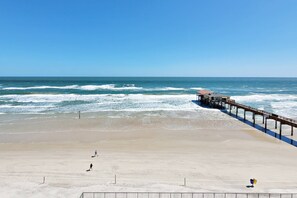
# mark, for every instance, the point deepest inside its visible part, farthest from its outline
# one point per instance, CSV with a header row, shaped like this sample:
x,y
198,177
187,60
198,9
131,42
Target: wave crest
x,y
41,87
97,102
264,97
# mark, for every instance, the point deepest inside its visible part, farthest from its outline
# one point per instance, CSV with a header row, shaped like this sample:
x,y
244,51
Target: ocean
x,y
50,95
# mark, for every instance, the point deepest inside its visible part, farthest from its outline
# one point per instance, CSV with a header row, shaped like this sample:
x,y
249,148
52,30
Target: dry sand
x,y
146,152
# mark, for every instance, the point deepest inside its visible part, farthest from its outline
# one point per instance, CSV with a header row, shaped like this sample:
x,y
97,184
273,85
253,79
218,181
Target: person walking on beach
x,y
95,155
253,181
91,166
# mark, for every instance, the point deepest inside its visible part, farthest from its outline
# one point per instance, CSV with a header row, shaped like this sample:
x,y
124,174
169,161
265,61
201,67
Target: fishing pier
x,y
215,100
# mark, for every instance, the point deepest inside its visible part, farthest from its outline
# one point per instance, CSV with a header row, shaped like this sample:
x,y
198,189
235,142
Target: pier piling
x,y
265,124
280,131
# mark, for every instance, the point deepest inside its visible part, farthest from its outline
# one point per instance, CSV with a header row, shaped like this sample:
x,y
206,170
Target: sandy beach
x,y
214,152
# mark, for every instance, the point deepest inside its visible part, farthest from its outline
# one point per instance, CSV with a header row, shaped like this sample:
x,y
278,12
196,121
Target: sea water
x,y
48,95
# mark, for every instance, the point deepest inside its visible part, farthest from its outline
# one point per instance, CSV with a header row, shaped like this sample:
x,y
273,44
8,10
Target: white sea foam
x,y
264,97
20,109
109,87
38,98
95,87
101,102
112,87
197,88
42,87
83,87
172,89
282,104
167,89
25,106
285,108
5,106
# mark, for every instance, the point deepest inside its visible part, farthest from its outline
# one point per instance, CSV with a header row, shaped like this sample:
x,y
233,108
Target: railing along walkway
x,y
184,195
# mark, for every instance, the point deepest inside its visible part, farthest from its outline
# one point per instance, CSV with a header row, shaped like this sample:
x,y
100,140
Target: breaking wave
x,y
96,102
83,87
282,104
111,87
42,87
264,97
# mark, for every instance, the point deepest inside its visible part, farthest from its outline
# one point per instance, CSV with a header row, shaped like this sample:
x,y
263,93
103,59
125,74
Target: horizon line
x,y
52,76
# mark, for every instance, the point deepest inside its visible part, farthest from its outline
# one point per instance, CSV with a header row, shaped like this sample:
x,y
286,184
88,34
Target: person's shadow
x,y
250,186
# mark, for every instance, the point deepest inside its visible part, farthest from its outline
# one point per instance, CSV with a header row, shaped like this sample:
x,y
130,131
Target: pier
x,y
215,100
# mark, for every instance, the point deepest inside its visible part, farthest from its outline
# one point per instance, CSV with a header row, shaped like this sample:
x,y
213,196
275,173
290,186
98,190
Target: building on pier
x,y
212,99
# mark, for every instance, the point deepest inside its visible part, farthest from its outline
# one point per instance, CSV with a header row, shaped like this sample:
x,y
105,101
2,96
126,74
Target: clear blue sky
x,y
148,38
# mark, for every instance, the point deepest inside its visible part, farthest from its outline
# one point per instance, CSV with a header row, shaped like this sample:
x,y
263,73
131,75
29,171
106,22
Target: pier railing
x,y
184,195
